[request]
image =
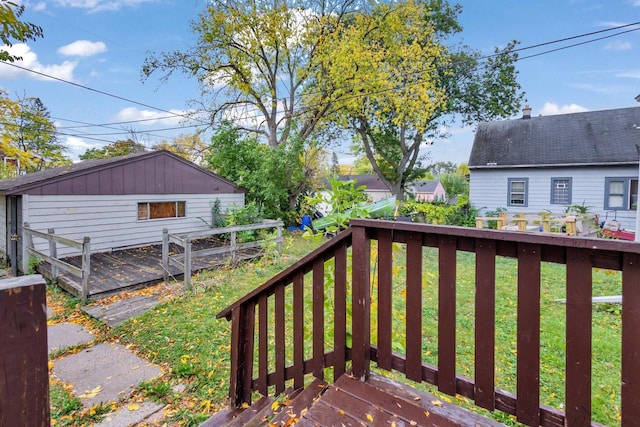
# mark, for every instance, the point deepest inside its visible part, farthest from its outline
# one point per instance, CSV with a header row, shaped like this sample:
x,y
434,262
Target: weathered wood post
x,y
279,237
53,253
86,267
29,239
165,255
24,373
187,263
361,303
233,246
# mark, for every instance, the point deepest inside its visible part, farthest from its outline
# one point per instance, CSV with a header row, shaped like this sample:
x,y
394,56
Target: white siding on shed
x,y
112,221
488,189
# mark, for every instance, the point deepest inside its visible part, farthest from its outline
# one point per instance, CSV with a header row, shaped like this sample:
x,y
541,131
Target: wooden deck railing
x,y
276,338
84,248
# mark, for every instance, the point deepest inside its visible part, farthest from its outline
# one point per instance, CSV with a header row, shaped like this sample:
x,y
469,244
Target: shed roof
x,y
153,172
608,137
425,186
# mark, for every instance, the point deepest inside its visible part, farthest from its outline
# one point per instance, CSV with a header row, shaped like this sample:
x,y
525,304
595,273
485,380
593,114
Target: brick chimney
x,y
526,112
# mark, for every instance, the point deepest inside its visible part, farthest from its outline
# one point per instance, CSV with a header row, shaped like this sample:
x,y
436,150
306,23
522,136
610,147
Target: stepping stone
x,y
105,372
65,335
125,416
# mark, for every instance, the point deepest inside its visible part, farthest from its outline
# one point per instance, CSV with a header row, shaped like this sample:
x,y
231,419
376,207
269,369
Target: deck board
x,y
129,269
381,401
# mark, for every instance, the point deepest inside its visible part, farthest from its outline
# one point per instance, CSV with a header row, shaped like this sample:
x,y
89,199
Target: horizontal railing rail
x,y
276,337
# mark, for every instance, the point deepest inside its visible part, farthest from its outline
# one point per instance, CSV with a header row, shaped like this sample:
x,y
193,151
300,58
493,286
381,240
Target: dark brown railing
x,y
291,341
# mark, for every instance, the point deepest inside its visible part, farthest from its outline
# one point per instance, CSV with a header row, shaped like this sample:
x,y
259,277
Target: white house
x,y
536,164
118,202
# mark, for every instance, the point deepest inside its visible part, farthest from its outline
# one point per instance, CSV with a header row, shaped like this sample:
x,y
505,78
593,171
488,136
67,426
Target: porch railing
x,y
276,339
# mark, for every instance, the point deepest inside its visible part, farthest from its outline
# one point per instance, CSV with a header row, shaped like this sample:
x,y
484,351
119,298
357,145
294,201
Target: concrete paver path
x,y
65,335
104,372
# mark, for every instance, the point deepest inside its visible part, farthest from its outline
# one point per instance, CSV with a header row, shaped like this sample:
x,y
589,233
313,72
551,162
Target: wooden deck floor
x,y
128,269
381,401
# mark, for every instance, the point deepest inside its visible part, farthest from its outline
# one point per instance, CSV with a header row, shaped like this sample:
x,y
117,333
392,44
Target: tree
x,y
117,148
190,147
257,63
12,29
404,82
29,135
277,178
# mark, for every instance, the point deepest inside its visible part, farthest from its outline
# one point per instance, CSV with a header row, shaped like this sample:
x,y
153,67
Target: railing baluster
x,y
361,303
340,313
578,379
447,315
528,325
414,307
263,345
485,310
279,331
630,343
318,318
385,282
298,331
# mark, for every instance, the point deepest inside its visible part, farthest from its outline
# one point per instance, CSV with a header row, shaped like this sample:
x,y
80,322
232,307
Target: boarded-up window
x,y
158,210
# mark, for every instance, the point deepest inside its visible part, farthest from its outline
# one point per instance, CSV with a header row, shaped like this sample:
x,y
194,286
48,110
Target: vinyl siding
x,y
488,189
112,221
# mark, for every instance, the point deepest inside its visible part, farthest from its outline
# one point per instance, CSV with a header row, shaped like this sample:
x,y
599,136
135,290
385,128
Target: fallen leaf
x,y
245,405
133,407
88,394
436,402
370,418
427,413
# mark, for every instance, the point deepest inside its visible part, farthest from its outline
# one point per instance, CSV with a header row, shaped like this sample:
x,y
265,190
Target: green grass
x,y
193,347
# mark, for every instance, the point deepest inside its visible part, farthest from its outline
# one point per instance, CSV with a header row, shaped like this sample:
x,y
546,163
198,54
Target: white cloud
x,y
618,45
101,5
37,7
76,146
151,117
30,61
633,74
83,48
550,109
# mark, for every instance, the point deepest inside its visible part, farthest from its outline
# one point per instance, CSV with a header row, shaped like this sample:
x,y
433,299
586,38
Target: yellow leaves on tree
x,y
386,63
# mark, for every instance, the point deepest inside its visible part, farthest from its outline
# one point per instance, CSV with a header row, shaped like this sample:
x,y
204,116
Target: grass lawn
x,y
185,338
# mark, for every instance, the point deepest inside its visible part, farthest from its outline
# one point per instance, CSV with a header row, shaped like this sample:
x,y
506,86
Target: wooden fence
x,y
184,260
83,247
571,225
24,382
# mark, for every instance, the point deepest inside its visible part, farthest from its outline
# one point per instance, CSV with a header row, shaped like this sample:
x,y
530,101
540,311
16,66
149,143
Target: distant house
x,y
375,188
118,202
428,191
535,164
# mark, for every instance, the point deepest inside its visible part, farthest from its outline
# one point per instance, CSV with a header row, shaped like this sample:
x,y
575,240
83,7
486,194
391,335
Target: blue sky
x,y
101,44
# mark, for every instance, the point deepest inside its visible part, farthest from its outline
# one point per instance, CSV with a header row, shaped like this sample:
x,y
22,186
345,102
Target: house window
x,y
158,210
561,191
620,193
518,188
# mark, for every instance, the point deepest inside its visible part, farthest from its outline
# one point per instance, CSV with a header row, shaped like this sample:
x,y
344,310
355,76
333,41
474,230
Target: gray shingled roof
x,y
594,137
372,182
425,186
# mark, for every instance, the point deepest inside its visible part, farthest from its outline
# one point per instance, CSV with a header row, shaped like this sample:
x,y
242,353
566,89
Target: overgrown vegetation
x,y
441,213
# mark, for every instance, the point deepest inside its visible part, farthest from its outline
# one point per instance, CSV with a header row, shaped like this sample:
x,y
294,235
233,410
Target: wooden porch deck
x,y
378,401
128,269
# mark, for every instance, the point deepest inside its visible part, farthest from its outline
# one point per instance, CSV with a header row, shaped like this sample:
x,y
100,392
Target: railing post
x,y
242,345
187,263
24,383
86,267
53,253
165,255
233,246
279,237
29,239
361,302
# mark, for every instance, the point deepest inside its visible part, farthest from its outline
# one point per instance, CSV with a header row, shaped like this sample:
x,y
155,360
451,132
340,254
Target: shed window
x,y
561,191
518,191
158,210
621,193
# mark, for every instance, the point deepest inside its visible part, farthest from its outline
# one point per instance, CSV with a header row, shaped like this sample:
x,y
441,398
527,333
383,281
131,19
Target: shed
x,y
120,202
428,191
